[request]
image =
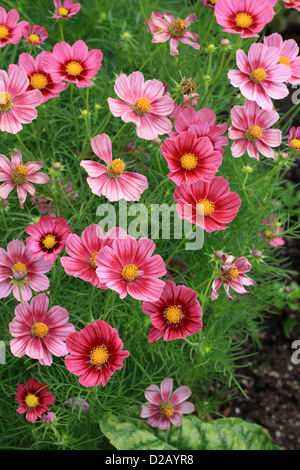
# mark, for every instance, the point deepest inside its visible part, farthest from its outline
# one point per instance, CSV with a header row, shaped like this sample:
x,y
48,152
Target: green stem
x,y
180,244
84,211
91,304
150,56
20,293
61,29
119,132
74,116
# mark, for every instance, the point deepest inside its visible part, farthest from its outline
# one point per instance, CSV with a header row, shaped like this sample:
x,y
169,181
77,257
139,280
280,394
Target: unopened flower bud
x,y
19,276
157,141
48,417
219,254
248,169
56,166
224,42
257,253
211,47
84,113
4,202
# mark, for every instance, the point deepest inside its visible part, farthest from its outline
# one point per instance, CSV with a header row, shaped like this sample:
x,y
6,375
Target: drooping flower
x,y
111,180
232,274
79,402
261,75
38,333
210,205
250,129
271,232
33,399
164,407
294,138
175,315
35,35
10,29
65,9
15,173
96,353
143,103
152,27
48,237
292,4
190,158
174,30
75,64
21,271
289,54
17,104
128,267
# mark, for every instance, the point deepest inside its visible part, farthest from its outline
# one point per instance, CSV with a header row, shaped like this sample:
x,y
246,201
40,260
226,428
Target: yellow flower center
x,y
141,106
166,409
17,267
205,207
31,400
243,20
19,174
49,241
39,81
177,28
296,143
188,161
117,167
34,38
258,75
63,11
99,356
39,329
3,32
74,68
5,100
92,260
268,233
173,314
253,133
212,2
284,60
230,275
129,272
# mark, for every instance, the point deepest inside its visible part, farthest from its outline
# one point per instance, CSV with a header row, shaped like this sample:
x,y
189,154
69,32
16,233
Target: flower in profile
x,y
48,237
250,129
65,9
271,232
33,399
260,76
175,315
10,28
174,30
292,4
289,51
190,158
232,274
210,205
21,271
143,103
96,353
15,173
128,267
79,402
38,333
17,104
111,180
75,64
164,407
35,35
48,417
294,138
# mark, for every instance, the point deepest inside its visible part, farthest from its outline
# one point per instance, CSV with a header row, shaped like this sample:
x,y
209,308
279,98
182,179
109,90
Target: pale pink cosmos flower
x,y
271,232
17,103
261,76
164,407
292,4
10,29
20,270
250,129
174,30
39,333
35,35
65,9
111,180
232,274
152,27
289,51
15,173
294,138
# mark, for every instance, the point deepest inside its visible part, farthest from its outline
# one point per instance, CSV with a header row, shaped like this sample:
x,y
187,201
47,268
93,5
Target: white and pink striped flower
x,y
289,54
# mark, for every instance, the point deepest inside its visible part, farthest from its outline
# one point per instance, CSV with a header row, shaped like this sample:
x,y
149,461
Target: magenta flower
x,y
143,103
37,333
294,138
74,64
292,4
174,30
21,271
48,417
14,173
34,399
232,274
271,232
250,129
289,51
10,29
65,9
35,35
164,407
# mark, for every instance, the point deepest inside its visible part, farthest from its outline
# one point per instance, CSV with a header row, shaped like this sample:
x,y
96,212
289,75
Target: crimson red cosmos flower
x,y
96,353
33,398
175,315
294,138
48,237
10,29
209,205
35,35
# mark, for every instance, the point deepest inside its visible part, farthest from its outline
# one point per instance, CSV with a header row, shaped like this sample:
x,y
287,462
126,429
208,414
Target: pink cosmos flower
x,y
232,274
210,205
10,29
190,158
261,76
294,138
250,128
272,231
35,35
164,407
17,104
48,417
14,173
143,103
38,78
48,237
128,267
65,9
34,399
82,259
21,271
292,4
174,30
152,27
209,3
289,51
38,333
111,180
74,64
96,353
175,315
